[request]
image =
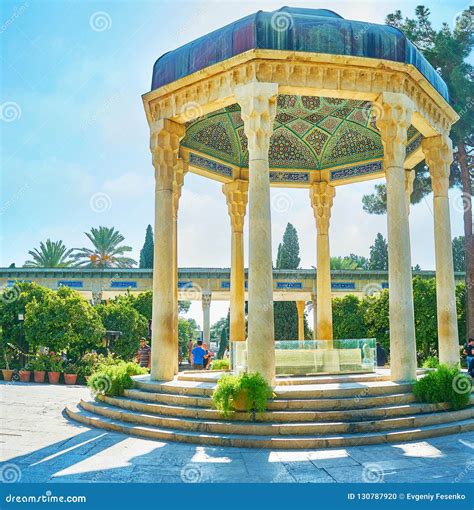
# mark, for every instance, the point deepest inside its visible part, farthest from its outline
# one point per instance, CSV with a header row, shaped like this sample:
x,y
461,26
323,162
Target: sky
x,y
74,137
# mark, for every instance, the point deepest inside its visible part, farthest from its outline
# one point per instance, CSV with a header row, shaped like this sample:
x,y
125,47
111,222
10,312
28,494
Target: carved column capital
x,y
258,103
165,136
393,113
438,152
206,299
181,170
322,195
236,193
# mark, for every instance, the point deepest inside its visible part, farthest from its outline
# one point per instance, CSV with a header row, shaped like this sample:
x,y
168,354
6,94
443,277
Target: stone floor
x,y
38,444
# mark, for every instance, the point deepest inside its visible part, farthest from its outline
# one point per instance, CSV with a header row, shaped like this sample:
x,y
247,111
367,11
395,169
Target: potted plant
x,y
54,369
70,373
39,365
244,393
7,372
25,373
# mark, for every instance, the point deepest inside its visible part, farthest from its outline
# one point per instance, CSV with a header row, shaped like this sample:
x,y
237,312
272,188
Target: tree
x,y
426,322
285,312
63,321
119,315
50,254
459,254
107,250
217,328
376,318
348,317
146,253
447,50
288,255
379,254
224,337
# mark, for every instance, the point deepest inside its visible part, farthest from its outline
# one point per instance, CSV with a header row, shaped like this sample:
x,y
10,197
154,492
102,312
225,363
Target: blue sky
x,y
74,151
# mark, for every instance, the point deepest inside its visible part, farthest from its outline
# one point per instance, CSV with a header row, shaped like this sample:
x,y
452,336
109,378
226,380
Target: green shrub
x,y
251,387
114,379
55,364
445,384
92,362
220,364
431,362
39,362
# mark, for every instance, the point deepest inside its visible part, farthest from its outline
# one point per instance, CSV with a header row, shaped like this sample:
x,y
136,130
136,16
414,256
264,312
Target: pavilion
x,y
299,98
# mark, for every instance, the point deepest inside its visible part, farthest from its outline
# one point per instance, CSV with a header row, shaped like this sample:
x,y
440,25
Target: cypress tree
x,y
286,315
146,253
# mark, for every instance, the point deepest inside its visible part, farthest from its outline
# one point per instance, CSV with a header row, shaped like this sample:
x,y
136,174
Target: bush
x,y
112,380
92,361
39,362
121,316
252,388
431,362
220,364
445,384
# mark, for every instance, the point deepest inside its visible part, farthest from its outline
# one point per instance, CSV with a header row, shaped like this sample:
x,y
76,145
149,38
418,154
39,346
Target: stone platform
x,y
307,412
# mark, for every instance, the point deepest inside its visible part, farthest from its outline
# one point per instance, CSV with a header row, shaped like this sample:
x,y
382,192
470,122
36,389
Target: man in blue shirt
x,y
198,354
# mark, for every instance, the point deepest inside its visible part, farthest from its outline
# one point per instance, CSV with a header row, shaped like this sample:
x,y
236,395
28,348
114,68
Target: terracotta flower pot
x,y
25,375
39,376
7,374
70,378
53,377
240,403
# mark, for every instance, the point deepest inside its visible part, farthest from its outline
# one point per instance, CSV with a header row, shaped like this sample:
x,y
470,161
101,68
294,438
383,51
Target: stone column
x,y
164,145
178,182
394,112
439,156
322,196
236,193
206,311
409,180
315,316
300,305
258,109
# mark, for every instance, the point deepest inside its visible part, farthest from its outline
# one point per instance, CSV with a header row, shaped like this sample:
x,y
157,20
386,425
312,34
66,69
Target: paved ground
x,y
39,444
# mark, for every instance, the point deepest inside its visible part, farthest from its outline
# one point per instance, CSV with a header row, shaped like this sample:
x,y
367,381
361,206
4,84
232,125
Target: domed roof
x,y
294,29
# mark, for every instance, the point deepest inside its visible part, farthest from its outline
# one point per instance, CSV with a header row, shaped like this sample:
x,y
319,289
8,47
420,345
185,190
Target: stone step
x,y
283,442
275,416
213,376
315,404
269,428
302,391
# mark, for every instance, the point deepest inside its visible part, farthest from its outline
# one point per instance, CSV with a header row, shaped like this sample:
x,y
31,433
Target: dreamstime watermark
x,y
462,384
462,203
17,12
10,111
464,19
192,111
101,385
372,289
10,473
281,202
100,21
10,294
191,291
465,474
281,21
47,497
372,473
104,108
100,202
191,474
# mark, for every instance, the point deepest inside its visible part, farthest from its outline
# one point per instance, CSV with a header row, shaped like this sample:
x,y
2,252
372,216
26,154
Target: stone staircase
x,y
309,412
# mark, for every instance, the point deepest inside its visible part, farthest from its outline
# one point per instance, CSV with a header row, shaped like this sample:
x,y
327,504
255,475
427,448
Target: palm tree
x,y
343,263
106,251
50,254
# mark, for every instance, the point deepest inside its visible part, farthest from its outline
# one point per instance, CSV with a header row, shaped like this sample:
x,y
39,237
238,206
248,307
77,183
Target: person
x,y
197,356
469,352
189,347
227,353
381,355
144,354
207,357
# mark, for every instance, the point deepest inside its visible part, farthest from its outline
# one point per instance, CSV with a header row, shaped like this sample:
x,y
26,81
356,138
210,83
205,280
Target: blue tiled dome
x,y
294,29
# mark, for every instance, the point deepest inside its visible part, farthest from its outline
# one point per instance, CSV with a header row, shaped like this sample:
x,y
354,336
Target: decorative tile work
x,y
289,177
209,164
311,133
287,151
357,171
316,139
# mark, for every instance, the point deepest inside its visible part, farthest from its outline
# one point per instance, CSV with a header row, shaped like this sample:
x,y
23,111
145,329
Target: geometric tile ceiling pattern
x,y
310,133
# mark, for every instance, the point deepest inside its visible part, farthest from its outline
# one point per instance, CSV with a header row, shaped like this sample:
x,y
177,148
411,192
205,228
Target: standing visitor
x,y
197,356
381,355
469,352
144,354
